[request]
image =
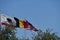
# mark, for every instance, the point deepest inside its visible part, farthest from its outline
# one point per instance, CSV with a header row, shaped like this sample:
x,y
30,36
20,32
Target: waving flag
x,y
24,24
7,21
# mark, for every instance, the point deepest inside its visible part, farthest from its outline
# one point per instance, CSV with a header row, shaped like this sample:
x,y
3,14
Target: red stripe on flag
x,y
6,24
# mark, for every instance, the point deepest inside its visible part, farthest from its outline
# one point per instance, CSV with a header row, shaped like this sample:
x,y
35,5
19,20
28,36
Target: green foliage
x,y
45,36
7,34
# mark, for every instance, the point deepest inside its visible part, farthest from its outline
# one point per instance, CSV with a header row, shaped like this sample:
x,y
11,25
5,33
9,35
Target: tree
x,y
45,36
7,34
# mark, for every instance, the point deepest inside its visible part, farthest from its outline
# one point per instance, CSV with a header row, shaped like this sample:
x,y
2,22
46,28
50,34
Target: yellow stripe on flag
x,y
21,24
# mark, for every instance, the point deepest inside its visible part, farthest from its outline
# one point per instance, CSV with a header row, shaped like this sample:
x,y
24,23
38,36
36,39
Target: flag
x,y
7,21
21,23
24,24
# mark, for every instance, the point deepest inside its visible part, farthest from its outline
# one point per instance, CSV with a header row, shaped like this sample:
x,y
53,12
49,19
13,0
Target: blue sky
x,y
41,13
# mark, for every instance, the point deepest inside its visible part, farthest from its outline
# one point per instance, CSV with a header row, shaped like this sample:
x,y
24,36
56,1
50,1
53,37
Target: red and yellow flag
x,y
25,24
